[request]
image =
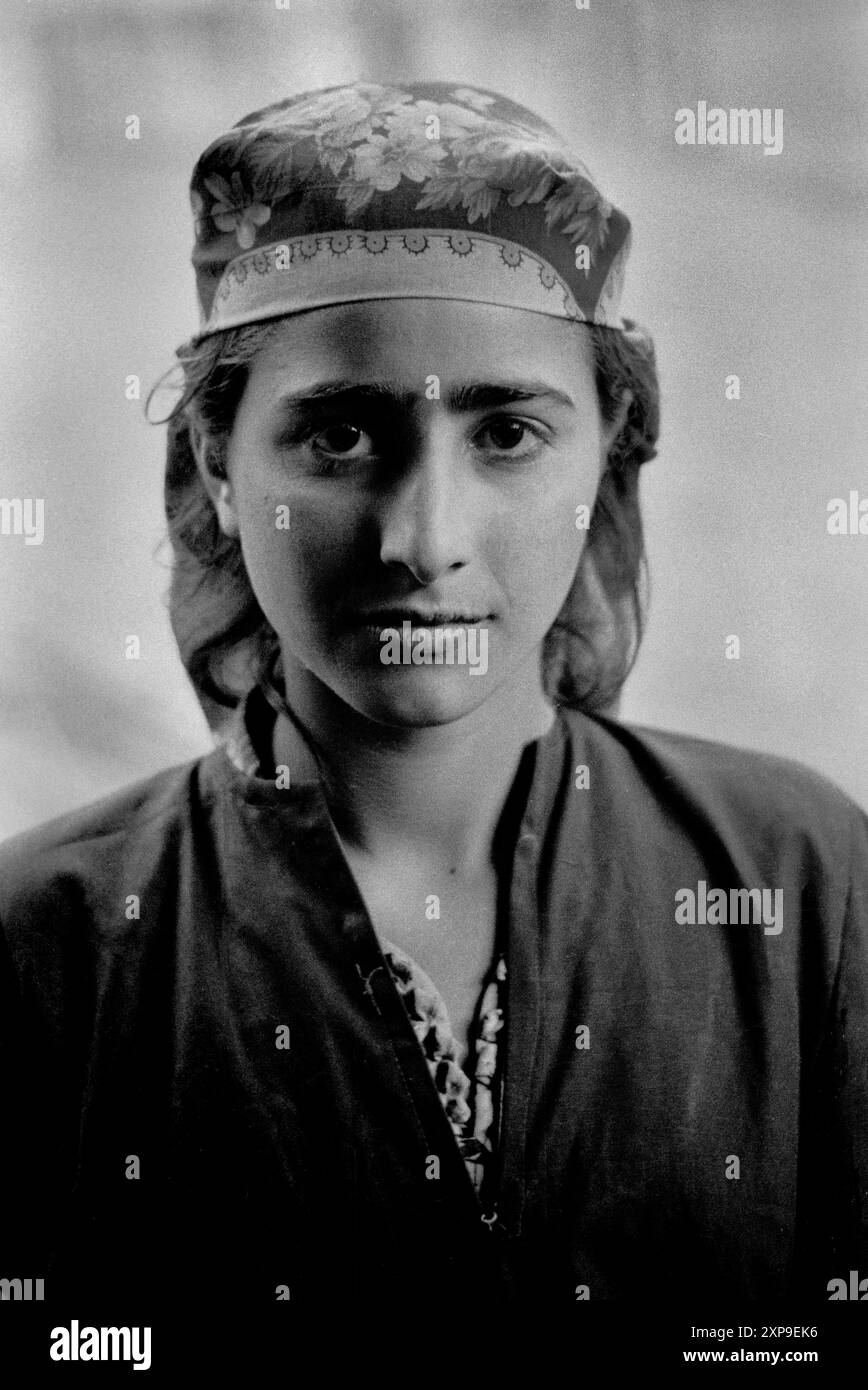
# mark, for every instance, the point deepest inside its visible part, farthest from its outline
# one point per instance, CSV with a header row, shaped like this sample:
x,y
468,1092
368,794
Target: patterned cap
x,y
423,190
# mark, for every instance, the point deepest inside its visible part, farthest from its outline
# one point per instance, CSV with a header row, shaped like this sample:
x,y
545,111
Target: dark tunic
x,y
708,1132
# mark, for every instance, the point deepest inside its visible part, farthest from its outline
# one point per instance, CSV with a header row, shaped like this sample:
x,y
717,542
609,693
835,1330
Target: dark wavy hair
x,y
224,638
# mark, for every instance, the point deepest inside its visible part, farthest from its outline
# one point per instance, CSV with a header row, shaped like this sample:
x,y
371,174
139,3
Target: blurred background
x,y
742,263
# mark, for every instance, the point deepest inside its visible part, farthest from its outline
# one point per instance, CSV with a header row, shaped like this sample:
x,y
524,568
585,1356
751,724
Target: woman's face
x,y
402,460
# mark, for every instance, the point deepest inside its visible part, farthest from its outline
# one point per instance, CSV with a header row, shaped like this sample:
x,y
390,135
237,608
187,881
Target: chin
x,y
414,697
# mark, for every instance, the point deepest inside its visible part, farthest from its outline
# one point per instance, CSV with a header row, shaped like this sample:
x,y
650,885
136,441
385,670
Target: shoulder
x,y
663,814
736,794
67,859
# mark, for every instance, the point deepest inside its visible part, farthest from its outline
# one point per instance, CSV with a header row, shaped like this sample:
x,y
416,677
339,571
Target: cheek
x,y
540,548
296,552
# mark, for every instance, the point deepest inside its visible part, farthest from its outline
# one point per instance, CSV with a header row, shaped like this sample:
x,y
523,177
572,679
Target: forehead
x,y
411,339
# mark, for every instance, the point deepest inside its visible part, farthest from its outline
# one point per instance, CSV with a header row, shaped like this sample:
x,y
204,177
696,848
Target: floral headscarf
x,y
424,190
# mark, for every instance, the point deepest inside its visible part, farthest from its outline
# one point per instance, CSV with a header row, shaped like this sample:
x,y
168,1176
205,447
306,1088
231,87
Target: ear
x,y
212,470
609,432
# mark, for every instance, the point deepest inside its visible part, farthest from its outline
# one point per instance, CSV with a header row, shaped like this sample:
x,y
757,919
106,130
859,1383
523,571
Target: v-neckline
x,y
524,814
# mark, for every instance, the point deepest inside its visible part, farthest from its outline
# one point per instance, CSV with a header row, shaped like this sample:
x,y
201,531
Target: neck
x,y
434,793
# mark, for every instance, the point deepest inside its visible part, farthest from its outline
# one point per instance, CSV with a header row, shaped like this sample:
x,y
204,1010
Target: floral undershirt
x,y
470,1099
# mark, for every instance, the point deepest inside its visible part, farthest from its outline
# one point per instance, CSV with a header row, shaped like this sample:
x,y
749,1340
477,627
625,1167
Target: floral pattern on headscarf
x,y
330,179
367,138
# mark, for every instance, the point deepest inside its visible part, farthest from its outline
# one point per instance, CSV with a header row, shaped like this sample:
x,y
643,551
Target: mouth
x,y
420,618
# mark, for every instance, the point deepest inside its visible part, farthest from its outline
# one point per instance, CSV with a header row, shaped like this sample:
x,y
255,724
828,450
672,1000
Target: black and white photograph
x,y
434,693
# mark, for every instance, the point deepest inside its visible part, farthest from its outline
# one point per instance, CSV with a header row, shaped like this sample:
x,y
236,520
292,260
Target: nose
x,y
425,518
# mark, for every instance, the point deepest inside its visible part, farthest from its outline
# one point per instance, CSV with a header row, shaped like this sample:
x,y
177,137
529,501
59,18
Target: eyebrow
x,y
461,397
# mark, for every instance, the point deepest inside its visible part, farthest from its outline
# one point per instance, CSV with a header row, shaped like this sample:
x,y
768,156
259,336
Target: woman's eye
x,y
342,439
507,434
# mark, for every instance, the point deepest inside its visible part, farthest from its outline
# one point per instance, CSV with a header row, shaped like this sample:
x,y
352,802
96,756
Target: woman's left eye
x,y
342,440
507,434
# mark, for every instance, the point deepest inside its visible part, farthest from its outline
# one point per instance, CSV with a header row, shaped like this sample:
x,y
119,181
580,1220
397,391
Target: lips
x,y
441,617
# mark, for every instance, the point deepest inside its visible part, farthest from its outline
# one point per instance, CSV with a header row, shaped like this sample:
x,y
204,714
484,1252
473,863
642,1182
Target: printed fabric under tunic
x,y
156,947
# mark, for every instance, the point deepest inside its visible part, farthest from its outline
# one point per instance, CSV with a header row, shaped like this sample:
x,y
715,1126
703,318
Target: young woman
x,y
433,978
